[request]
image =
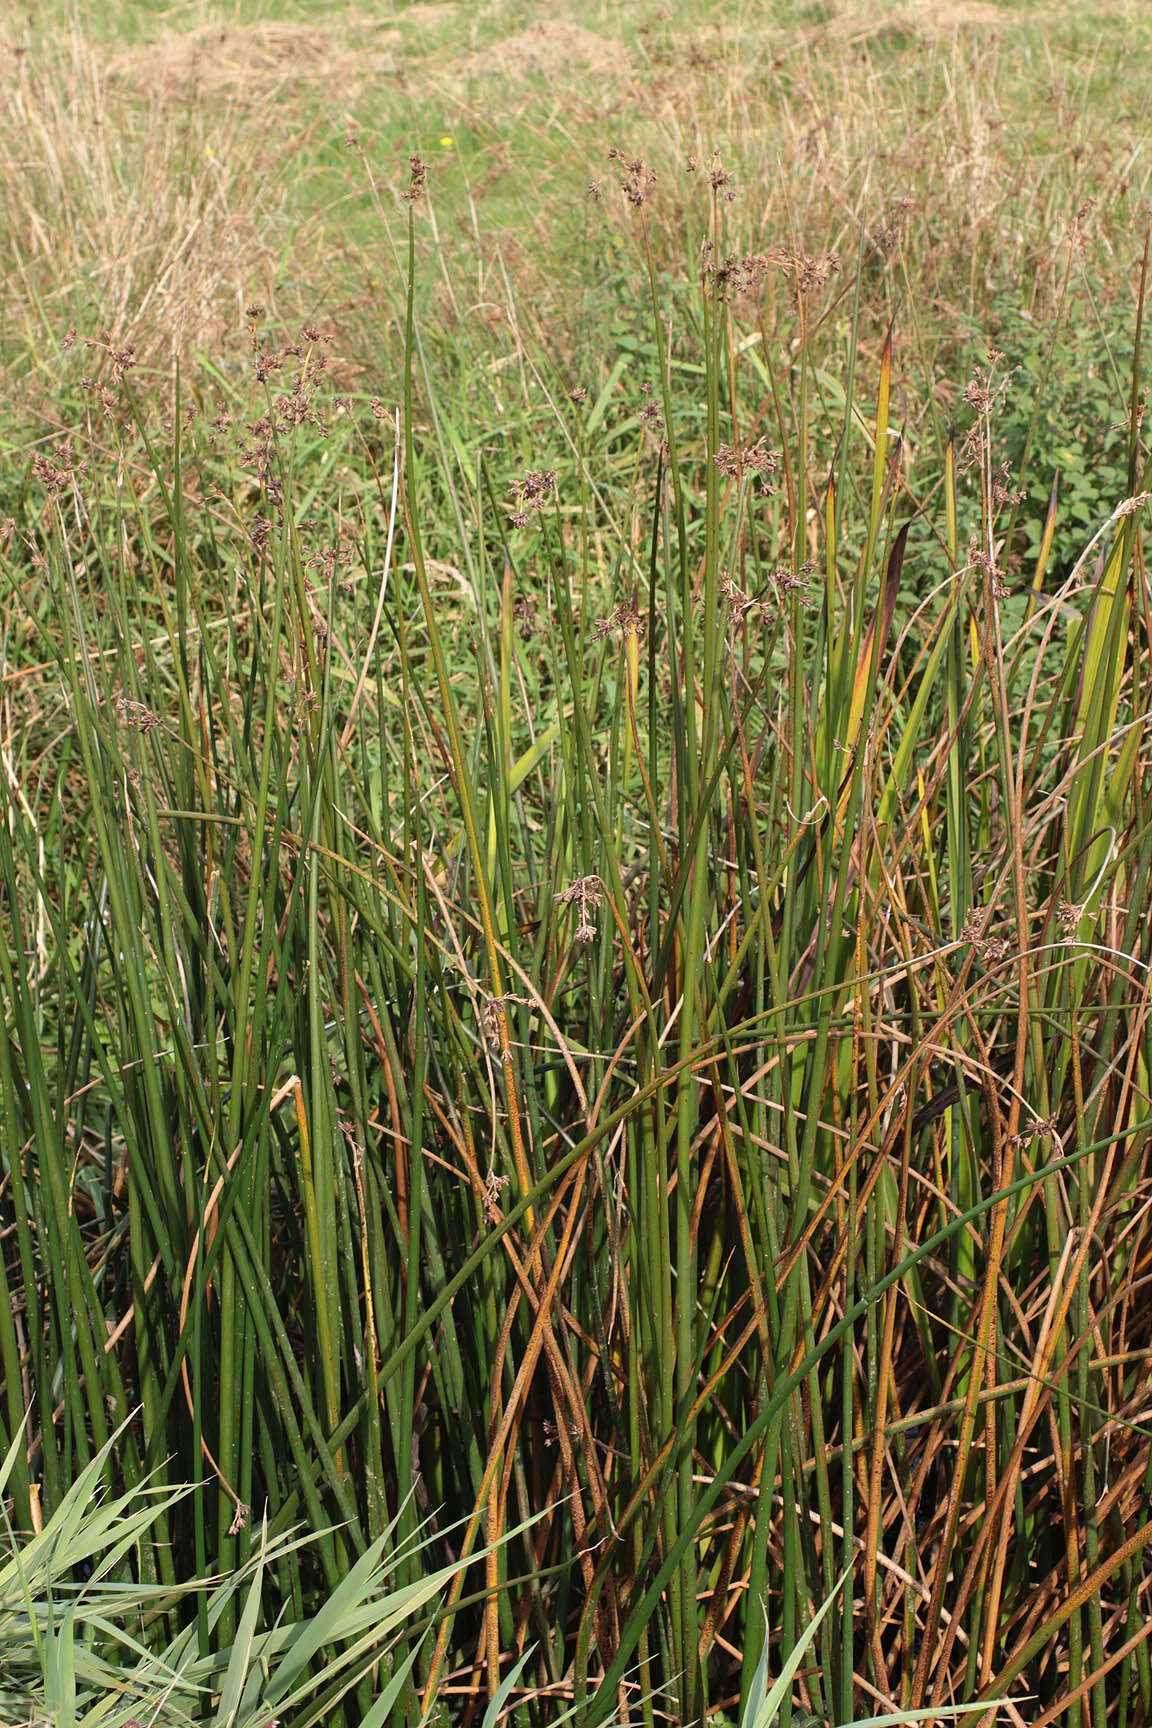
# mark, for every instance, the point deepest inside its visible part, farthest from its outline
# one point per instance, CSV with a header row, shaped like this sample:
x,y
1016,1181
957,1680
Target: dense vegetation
x,y
574,854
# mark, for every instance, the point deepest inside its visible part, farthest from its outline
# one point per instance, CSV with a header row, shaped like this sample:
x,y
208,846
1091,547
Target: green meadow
x,y
575,854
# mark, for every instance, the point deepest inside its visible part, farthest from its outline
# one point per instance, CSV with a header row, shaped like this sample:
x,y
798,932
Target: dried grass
x,y
550,48
255,61
147,219
154,180
855,23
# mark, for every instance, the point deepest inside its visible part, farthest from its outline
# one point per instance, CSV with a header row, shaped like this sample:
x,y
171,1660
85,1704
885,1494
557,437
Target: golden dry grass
x,y
255,62
158,186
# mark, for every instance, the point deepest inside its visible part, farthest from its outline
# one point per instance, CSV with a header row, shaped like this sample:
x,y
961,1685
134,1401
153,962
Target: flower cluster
x,y
57,471
731,276
720,179
624,618
752,459
638,180
1068,916
787,581
585,894
494,1186
136,715
530,495
418,184
651,417
991,949
804,272
889,236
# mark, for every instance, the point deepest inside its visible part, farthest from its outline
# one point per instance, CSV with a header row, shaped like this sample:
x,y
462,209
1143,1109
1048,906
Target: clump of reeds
x,y
586,984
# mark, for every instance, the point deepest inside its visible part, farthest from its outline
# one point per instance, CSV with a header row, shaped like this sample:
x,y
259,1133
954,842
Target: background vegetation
x,y
574,853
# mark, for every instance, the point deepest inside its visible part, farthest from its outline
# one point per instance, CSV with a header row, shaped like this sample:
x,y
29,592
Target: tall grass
x,y
593,971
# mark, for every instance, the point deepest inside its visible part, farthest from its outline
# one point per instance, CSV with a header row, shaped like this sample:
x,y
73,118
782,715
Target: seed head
x,y
1076,236
889,236
585,894
651,417
120,359
417,185
720,179
531,494
1068,916
1002,492
494,1186
991,949
57,471
136,715
638,180
754,459
806,273
625,619
732,275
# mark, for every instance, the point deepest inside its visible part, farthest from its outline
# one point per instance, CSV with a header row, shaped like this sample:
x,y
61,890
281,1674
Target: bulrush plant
x,y
578,988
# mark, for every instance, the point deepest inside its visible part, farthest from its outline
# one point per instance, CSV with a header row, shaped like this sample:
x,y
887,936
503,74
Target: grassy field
x,y
574,860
